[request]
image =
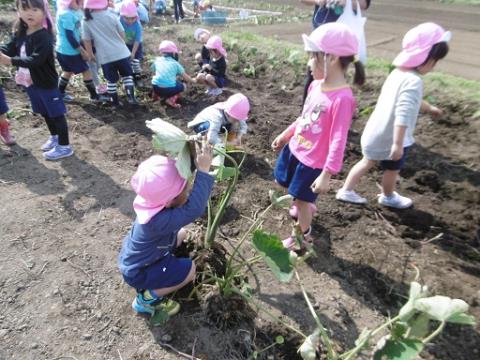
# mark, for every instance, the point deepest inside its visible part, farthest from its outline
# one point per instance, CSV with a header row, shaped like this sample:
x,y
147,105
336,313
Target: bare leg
x,y
304,214
188,279
181,236
87,75
389,181
210,80
357,172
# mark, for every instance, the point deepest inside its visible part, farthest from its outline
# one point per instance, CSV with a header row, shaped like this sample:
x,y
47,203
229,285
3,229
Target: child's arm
x,y
9,49
397,147
284,137
134,49
188,78
138,38
89,49
428,108
43,47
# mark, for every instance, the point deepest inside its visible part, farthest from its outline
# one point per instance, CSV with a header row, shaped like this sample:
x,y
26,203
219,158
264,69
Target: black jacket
x,y
39,60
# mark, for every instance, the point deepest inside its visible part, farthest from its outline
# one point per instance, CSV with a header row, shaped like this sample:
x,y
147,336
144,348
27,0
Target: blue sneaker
x,y
58,152
145,303
67,98
50,143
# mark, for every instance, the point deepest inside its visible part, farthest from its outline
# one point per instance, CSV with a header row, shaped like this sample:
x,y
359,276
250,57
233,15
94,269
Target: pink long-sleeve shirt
x,y
320,133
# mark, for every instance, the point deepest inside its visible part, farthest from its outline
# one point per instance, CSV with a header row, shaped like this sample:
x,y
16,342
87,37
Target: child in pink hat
x,y
312,147
230,115
388,134
163,207
213,73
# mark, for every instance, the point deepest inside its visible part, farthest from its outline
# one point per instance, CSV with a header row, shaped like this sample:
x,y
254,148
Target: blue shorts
x,y
397,164
220,81
166,92
204,126
3,103
46,102
139,53
296,177
72,63
113,70
167,272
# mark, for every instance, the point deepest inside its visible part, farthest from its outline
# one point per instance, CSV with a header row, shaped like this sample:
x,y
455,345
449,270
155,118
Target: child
x,y
160,7
31,51
167,69
163,207
104,28
5,135
314,144
203,57
133,37
388,134
71,56
213,73
231,115
178,9
196,8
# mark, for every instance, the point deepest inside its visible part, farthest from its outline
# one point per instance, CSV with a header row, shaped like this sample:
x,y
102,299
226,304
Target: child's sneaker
x,y
50,143
216,92
145,303
294,210
67,98
208,91
102,89
58,152
5,135
350,196
291,242
395,200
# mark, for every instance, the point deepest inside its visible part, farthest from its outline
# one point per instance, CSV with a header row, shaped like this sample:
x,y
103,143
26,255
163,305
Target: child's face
x,y
317,65
214,53
130,20
32,16
204,38
76,4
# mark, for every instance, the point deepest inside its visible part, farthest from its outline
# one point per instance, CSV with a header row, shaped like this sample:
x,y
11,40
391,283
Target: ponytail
x,y
359,77
88,14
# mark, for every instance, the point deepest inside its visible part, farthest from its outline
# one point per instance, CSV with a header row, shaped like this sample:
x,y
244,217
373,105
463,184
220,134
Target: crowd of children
x,y
311,149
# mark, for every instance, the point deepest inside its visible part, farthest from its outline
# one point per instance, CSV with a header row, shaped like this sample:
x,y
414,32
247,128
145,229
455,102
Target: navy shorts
x,y
165,93
204,126
113,70
296,177
3,103
46,102
220,81
72,63
139,53
395,164
167,272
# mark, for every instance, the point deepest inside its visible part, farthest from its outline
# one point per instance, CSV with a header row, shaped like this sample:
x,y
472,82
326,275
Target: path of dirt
x,y
388,20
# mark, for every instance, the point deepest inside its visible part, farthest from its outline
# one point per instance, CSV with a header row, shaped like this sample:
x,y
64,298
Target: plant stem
x,y
435,333
323,332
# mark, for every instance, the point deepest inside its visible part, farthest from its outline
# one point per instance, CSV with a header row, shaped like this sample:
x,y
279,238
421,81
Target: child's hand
x,y
206,67
204,156
435,112
321,183
396,152
278,143
4,59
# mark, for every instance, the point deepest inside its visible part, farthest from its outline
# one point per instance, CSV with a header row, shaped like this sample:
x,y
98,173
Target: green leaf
x,y
279,340
255,354
308,350
399,329
419,326
184,163
225,173
279,200
441,308
168,138
276,256
463,319
399,350
159,318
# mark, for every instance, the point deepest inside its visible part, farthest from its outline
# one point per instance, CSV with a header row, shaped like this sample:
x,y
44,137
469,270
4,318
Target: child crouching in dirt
x,y
5,135
213,74
388,134
167,71
230,115
202,57
163,206
313,146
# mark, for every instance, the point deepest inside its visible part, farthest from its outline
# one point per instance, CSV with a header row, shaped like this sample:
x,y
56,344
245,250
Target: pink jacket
x,y
319,135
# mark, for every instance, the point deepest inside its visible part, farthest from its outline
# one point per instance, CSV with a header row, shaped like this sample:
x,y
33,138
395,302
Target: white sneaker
x,y
216,92
58,152
395,200
50,143
350,196
208,91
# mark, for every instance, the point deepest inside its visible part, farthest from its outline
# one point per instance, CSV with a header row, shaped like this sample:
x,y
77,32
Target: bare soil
x,y
62,297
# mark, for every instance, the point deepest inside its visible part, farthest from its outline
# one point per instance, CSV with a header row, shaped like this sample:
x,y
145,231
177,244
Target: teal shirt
x,y
68,20
166,71
133,32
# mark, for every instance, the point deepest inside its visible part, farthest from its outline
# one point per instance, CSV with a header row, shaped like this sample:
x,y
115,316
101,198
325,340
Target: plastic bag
x,y
356,22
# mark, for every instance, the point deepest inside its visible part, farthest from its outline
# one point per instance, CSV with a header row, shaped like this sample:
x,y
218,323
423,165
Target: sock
x,y
112,92
62,84
91,89
137,70
150,295
128,83
62,130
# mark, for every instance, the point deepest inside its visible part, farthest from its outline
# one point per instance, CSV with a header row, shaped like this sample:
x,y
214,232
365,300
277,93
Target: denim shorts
x,y
72,63
3,103
113,70
290,173
204,126
220,81
395,164
46,102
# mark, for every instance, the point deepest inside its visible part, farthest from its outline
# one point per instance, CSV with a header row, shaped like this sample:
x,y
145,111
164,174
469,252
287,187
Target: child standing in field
x,y
133,37
167,71
71,55
5,135
388,134
31,51
312,147
104,28
231,115
213,74
163,207
202,57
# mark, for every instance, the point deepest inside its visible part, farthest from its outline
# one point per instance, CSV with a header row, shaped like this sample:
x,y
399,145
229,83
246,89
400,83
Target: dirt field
x,y
61,296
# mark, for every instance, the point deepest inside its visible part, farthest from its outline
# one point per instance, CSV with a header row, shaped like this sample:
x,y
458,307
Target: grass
x,y
468,2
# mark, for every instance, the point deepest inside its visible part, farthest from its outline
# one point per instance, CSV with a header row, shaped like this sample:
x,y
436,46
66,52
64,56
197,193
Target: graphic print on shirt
x,y
310,122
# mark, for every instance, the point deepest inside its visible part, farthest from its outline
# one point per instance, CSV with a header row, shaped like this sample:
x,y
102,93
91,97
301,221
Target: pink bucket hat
x,y
156,183
198,32
64,4
237,106
215,43
332,38
95,4
418,42
167,46
128,9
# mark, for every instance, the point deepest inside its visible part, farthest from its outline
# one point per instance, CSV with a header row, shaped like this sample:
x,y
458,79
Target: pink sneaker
x,y
294,210
102,89
5,135
291,243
